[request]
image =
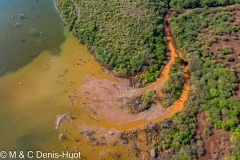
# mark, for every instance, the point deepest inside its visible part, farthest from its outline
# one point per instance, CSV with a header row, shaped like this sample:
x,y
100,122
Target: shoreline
x,y
107,69
175,107
57,8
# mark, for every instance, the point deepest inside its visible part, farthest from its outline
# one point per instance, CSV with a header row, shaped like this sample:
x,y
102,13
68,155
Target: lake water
x,y
24,39
41,68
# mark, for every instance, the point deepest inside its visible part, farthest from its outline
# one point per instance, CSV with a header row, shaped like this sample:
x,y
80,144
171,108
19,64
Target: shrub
x,y
174,85
224,38
229,58
147,99
207,131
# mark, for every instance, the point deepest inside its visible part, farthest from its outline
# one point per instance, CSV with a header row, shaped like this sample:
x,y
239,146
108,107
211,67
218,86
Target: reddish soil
x,y
217,143
234,43
214,144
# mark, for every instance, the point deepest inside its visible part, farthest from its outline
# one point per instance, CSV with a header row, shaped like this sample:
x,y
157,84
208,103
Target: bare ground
x,y
234,43
108,100
215,145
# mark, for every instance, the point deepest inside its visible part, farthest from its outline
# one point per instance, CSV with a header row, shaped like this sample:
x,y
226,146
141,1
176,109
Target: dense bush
x,y
125,36
141,103
201,3
67,12
174,85
235,150
147,99
212,84
222,52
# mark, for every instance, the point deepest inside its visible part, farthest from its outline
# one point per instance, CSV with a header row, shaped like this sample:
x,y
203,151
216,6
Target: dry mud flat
x,y
107,99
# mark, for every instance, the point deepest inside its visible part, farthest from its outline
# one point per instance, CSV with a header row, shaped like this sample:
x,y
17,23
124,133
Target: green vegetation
x,y
235,150
125,36
201,3
212,84
142,103
174,85
147,99
67,12
222,52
